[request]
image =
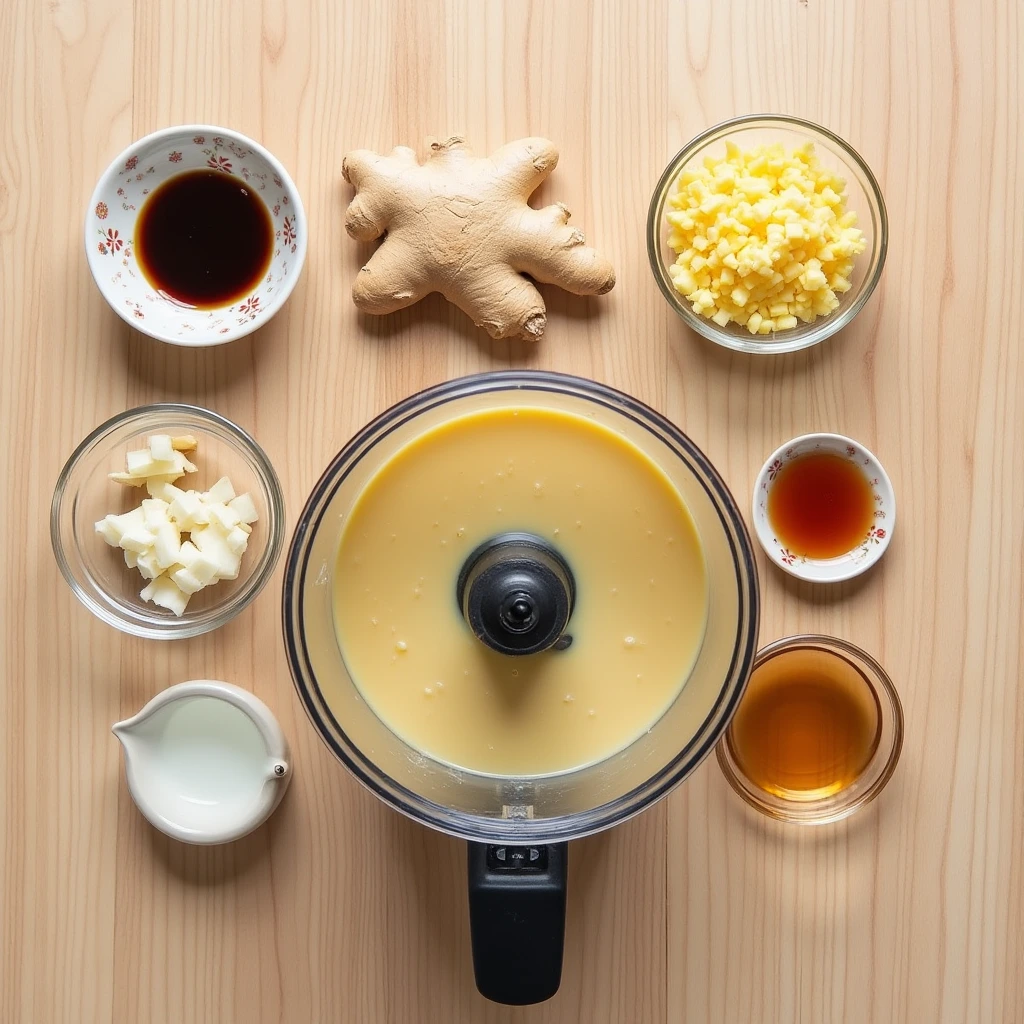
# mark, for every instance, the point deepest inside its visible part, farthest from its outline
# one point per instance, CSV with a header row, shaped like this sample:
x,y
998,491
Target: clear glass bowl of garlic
x,y
862,197
85,494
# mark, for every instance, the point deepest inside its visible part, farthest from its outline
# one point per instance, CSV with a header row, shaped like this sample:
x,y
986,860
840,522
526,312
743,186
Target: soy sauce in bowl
x,y
204,239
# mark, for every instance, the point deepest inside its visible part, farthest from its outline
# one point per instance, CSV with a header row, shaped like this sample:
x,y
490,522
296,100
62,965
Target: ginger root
x,y
461,225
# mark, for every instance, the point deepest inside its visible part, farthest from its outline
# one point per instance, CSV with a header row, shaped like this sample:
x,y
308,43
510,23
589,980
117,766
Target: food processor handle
x,y
517,920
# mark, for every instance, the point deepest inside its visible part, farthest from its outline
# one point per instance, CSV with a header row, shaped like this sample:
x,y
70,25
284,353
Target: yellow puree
x,y
641,598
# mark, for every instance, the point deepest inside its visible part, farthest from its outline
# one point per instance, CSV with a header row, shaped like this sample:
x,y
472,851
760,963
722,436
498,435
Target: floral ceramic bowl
x,y
110,233
876,538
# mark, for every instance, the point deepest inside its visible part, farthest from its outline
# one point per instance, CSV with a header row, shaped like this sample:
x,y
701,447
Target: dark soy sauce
x,y
204,239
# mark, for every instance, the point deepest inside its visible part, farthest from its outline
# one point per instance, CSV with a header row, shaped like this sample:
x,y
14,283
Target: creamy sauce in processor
x,y
641,592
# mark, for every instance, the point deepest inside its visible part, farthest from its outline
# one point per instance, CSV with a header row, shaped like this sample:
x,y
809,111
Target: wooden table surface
x,y
698,910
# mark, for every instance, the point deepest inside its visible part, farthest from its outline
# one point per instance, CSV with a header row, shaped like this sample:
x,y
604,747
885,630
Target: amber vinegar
x,y
808,725
821,505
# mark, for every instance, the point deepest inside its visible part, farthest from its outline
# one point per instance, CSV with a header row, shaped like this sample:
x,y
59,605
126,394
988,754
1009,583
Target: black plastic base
x,y
517,920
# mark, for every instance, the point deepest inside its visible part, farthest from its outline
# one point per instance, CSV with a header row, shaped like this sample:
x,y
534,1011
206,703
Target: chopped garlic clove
x,y
237,540
231,569
137,539
138,462
129,480
108,529
161,447
164,592
162,490
167,545
154,511
185,510
147,565
183,464
245,508
187,553
222,515
186,582
212,542
221,491
204,569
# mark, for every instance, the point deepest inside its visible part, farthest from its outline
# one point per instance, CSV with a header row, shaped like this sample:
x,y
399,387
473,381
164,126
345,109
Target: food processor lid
x,y
516,592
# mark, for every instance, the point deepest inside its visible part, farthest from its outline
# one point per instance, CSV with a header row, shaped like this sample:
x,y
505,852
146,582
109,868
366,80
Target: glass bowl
x,y
811,808
862,196
97,573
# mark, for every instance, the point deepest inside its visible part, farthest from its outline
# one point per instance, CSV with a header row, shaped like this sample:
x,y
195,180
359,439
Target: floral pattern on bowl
x,y
875,541
120,194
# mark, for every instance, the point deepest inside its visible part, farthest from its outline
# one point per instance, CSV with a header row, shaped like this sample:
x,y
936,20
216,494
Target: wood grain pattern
x,y
340,910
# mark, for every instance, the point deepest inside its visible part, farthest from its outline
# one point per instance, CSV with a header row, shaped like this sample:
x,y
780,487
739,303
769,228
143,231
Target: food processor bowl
x,y
512,822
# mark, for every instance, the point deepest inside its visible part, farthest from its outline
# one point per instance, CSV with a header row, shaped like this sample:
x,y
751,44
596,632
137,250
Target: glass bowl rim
x,y
707,328
262,468
884,691
462,824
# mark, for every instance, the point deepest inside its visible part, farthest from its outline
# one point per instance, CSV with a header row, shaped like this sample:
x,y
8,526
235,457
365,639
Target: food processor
x,y
516,594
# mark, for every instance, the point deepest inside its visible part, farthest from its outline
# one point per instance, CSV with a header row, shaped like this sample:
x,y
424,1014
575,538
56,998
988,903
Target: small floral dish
x,y
110,241
83,495
876,538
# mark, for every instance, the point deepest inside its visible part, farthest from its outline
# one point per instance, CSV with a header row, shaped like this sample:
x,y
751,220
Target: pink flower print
x,y
199,140
224,330
174,157
139,314
131,163
876,534
139,176
218,141
284,199
773,469
288,231
250,307
102,249
787,556
278,182
277,209
120,192
113,241
789,453
879,514
101,211
850,450
219,163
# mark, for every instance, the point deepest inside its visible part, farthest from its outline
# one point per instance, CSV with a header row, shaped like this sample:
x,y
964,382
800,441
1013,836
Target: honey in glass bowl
x,y
807,726
818,731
